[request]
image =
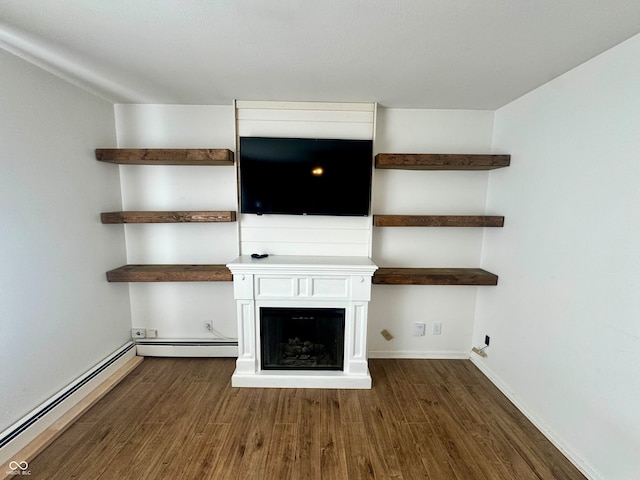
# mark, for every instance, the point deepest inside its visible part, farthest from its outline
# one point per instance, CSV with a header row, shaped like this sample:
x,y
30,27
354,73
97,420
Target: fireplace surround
x,y
324,298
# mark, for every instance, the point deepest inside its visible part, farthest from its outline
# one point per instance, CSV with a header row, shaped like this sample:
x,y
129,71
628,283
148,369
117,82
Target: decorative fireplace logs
x,y
299,353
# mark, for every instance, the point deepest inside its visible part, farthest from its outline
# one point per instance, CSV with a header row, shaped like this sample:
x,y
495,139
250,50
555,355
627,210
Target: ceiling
x,y
454,54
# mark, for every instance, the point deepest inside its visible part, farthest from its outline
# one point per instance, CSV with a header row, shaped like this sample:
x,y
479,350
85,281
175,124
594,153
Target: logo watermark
x,y
18,468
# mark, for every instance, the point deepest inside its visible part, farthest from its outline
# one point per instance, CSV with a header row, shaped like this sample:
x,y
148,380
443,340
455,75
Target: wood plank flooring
x,y
179,418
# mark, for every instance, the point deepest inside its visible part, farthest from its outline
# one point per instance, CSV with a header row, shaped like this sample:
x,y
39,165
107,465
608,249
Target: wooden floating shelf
x,y
170,273
434,276
168,217
166,156
382,276
434,161
437,221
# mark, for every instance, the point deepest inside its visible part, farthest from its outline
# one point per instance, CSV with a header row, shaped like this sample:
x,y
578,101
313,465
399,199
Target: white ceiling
x,y
459,54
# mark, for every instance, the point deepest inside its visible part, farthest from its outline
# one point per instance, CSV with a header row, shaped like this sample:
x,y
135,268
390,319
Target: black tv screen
x,y
303,176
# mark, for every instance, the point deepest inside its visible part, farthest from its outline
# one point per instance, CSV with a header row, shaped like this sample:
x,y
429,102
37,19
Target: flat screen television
x,y
305,176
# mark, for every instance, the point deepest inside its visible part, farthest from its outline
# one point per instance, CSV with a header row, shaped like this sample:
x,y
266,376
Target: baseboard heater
x,y
186,348
12,432
187,342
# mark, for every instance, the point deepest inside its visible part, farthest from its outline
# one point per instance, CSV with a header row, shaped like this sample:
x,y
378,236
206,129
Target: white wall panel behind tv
x,y
306,119
300,234
320,234
305,235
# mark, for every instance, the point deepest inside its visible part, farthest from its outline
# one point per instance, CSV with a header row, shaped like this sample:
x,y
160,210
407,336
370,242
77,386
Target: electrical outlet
x,y
138,333
418,329
437,328
152,333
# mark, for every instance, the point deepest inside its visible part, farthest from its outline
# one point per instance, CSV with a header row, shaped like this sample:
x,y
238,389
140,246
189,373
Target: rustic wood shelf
x,y
434,276
168,217
170,273
435,161
437,221
166,156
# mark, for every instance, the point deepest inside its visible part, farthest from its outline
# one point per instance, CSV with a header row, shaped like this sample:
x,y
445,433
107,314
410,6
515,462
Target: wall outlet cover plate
x,y
138,333
418,329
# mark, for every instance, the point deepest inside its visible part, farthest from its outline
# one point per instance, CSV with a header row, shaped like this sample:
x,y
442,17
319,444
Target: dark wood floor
x,y
423,419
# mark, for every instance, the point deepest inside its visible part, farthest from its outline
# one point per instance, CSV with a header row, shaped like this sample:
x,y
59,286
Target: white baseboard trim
x,y
544,428
186,348
35,431
435,355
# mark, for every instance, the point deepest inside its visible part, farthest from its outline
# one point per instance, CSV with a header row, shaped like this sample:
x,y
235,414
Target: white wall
x,y
564,320
180,310
396,308
58,314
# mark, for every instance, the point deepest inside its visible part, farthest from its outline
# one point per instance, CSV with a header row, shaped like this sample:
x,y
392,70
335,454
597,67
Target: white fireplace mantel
x,y
302,282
